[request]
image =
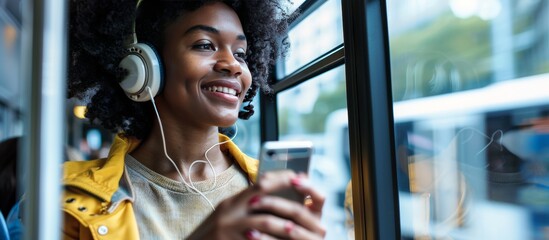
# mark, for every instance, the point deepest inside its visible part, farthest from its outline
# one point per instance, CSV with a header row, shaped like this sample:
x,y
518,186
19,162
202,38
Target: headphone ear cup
x,y
144,70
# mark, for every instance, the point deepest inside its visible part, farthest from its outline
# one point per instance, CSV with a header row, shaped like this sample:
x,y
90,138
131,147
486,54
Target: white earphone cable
x,y
191,185
169,158
208,159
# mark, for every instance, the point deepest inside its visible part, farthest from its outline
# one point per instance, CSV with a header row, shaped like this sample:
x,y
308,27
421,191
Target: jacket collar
x,y
102,177
246,163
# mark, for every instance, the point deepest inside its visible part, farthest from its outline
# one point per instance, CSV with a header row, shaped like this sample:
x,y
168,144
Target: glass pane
x,y
11,112
315,35
293,5
10,84
316,111
470,83
248,137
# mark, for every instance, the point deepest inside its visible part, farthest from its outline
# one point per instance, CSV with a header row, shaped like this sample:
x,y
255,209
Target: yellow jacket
x,y
97,199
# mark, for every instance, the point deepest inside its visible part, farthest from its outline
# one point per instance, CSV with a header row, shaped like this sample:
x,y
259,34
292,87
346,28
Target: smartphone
x,y
282,155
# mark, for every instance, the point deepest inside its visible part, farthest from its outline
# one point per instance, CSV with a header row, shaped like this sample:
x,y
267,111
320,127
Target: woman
x,y
169,173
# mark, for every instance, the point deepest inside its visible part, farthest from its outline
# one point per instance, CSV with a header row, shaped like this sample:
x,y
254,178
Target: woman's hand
x,y
256,214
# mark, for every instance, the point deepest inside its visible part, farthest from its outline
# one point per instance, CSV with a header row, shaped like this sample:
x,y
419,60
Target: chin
x,y
228,121
226,125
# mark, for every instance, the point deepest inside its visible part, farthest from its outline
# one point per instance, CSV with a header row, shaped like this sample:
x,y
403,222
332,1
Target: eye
x,y
240,55
204,46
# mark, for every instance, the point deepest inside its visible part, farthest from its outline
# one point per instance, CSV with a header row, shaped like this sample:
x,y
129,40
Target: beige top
x,y
167,209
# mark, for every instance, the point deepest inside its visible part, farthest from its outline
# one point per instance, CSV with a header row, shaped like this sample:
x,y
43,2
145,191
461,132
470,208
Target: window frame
x,y
371,137
371,133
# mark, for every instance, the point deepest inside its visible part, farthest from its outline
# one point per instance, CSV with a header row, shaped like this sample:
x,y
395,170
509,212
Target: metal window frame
x,y
268,102
369,104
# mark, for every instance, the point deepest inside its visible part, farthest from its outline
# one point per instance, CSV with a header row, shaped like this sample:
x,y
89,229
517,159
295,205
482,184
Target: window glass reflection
x,y
471,110
247,132
11,118
10,86
316,111
318,33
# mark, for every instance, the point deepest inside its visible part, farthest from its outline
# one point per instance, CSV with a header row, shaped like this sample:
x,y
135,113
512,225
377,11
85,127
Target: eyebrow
x,y
211,30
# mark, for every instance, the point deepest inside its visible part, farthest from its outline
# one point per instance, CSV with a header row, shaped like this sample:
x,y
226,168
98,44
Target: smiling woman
x,y
169,173
209,54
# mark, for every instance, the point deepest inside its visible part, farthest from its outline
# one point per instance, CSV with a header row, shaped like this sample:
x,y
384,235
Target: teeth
x,y
220,89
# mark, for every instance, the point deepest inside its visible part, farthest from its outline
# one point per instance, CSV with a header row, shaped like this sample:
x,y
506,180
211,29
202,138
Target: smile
x,y
220,89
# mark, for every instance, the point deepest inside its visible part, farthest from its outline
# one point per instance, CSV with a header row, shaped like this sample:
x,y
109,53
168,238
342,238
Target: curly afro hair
x,y
97,33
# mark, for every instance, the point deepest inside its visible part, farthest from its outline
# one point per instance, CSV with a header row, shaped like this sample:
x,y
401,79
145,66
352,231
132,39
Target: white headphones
x,y
144,70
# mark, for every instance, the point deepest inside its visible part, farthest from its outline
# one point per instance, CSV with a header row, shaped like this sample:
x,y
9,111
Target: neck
x,y
184,146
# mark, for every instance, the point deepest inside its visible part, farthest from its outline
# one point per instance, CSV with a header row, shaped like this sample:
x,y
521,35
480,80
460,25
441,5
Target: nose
x,y
228,64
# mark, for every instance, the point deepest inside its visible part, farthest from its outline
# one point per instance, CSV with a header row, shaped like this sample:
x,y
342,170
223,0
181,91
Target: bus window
x,y
471,109
323,24
316,111
11,124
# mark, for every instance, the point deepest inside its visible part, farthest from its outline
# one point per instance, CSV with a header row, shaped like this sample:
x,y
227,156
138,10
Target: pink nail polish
x,y
253,234
288,227
254,200
296,181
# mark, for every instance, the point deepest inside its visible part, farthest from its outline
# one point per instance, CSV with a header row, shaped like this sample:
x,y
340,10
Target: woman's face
x,y
205,72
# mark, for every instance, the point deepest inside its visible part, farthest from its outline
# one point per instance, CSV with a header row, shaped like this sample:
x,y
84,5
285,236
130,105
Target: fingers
x,y
315,200
291,210
267,184
272,217
253,234
306,217
271,182
271,227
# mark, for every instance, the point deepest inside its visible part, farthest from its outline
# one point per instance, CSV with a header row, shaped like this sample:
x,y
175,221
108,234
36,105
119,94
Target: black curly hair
x,y
97,33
